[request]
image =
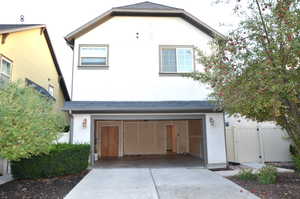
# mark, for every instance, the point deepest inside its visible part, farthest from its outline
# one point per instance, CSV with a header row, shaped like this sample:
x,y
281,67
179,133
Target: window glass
x,y
93,61
6,67
177,60
93,51
184,60
5,71
168,60
93,56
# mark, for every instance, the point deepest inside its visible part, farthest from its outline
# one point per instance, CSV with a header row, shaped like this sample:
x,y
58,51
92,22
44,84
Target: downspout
x,y
225,137
71,127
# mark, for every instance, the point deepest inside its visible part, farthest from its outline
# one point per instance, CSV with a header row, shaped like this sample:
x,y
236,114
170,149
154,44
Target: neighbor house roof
x,y
142,9
139,106
10,28
7,28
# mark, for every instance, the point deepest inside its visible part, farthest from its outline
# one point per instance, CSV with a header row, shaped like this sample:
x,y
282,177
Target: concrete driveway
x,y
160,183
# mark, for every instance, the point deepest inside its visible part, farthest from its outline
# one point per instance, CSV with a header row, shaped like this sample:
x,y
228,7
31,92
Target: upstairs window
x,y
93,55
176,59
5,70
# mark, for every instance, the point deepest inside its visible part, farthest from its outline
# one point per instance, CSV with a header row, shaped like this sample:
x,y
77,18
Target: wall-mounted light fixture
x,y
212,121
84,123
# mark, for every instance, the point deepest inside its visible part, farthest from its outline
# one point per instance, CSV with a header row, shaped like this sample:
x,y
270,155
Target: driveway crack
x,y
154,182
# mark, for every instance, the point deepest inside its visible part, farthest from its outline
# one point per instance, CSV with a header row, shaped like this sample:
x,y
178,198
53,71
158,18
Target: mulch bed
x,y
287,187
55,188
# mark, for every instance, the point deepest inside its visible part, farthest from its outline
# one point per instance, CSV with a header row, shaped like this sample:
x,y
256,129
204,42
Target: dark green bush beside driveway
x,y
62,159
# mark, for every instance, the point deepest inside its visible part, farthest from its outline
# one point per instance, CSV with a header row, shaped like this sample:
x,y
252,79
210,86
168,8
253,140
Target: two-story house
x,y
128,93
26,54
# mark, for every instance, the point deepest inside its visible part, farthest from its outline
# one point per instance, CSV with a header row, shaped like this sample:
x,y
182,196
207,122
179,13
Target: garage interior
x,y
154,141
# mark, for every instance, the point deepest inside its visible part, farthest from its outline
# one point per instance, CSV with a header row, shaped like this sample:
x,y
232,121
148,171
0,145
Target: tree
x,y
28,124
255,70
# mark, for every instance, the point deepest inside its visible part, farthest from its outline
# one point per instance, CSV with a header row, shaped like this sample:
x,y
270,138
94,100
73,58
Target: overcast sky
x,y
63,16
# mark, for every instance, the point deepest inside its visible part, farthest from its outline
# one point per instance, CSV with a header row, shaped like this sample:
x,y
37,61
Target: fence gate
x,y
251,144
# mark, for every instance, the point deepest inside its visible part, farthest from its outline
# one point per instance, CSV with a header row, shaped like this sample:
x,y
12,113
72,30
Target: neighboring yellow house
x,y
26,53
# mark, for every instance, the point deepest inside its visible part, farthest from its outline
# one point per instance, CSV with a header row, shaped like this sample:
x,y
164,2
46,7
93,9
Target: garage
x,y
153,132
114,139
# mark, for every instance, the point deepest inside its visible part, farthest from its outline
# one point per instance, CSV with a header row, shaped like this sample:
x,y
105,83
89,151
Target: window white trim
x,y
2,57
176,47
93,46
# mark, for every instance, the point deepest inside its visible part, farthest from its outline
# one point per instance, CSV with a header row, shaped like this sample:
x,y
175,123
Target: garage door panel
x,y
131,145
195,145
161,137
195,130
146,137
182,136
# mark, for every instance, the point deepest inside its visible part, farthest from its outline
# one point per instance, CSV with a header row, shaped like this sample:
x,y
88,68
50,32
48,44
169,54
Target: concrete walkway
x,y
161,183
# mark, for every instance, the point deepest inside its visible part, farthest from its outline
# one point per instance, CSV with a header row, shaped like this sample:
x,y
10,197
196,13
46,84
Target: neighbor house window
x,y
47,93
93,55
5,70
176,59
51,90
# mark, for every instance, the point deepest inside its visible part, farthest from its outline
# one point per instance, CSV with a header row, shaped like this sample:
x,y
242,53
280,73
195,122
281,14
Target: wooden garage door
x,y
196,137
109,141
144,137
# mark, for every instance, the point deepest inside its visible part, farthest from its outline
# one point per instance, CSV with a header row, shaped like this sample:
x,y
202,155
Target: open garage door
x,y
149,137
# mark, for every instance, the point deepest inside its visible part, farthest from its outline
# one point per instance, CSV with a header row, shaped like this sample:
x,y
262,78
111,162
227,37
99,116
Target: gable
x,y
141,9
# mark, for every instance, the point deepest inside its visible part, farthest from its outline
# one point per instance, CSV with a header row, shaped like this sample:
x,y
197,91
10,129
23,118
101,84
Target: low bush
x,y
61,160
267,175
296,160
293,150
246,174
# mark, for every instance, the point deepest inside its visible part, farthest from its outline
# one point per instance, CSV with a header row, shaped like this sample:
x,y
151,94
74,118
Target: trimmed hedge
x,y
61,160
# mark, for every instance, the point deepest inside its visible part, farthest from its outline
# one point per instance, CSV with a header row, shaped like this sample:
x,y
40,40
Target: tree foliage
x,y
28,124
255,70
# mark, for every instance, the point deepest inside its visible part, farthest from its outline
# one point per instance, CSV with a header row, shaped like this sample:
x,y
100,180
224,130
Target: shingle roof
x,y
148,5
140,106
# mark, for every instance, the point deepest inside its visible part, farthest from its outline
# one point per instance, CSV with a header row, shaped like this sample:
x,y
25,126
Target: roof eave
x,y
11,30
196,110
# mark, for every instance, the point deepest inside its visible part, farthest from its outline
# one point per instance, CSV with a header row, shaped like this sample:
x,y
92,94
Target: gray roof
x,y
6,28
140,106
148,6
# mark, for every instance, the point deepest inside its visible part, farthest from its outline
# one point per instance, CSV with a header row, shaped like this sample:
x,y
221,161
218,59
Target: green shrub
x,y
293,150
296,160
246,174
62,159
267,175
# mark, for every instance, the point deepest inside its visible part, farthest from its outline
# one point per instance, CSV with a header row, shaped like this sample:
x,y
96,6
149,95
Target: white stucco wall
x,y
133,73
81,134
215,138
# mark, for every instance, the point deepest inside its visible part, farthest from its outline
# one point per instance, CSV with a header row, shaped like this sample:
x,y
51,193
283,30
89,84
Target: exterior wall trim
x,y
147,117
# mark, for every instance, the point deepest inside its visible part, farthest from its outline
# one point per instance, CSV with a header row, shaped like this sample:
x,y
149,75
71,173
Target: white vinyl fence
x,y
64,138
252,144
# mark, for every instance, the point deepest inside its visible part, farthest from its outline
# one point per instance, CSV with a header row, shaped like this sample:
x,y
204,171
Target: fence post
x,y
261,145
235,144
